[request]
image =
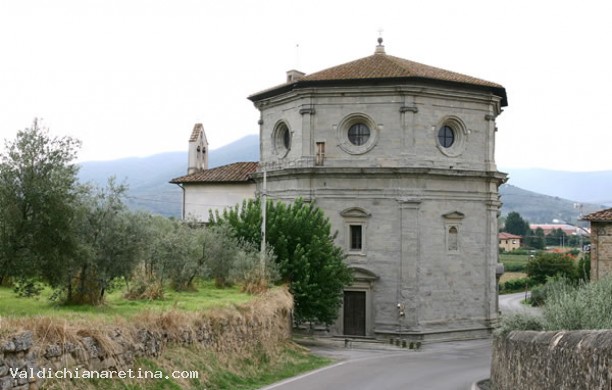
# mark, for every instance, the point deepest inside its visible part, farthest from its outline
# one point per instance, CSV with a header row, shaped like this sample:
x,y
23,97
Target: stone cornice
x,y
378,171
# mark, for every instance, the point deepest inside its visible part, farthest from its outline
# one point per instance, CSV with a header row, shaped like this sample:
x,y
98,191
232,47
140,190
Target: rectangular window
x,y
320,157
356,237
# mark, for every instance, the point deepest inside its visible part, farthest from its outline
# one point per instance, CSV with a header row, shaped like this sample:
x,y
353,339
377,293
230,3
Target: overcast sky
x,y
131,77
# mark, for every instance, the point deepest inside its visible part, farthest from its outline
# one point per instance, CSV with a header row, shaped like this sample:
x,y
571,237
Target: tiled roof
x,y
231,173
599,216
507,236
381,66
196,131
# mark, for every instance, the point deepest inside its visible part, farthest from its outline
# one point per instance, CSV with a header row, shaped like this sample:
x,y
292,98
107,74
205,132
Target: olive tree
x,y
39,193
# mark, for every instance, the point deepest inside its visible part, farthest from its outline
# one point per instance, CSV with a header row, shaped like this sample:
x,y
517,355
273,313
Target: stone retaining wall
x,y
261,325
572,360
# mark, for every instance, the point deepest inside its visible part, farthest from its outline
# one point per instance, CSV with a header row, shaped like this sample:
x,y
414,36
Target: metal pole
x,y
263,222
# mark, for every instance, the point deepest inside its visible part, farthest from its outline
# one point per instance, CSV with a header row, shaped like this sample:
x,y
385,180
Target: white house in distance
x,y
400,157
211,190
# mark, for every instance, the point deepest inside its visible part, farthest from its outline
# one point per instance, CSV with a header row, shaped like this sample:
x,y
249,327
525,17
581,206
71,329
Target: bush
x,y
514,285
547,265
514,267
144,286
308,259
247,270
584,267
563,308
519,321
537,296
573,306
25,287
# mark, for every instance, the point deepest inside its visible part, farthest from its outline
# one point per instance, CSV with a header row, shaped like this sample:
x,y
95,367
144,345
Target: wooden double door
x,y
354,313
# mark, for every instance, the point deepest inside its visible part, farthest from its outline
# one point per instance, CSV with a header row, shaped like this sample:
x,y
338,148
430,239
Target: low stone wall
x,y
50,346
571,360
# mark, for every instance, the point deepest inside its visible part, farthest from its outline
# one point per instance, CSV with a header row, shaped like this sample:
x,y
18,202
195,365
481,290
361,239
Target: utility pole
x,y
263,223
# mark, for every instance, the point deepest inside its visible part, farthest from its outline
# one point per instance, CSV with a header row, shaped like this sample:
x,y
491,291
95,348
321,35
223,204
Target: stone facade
x,y
601,243
416,213
527,360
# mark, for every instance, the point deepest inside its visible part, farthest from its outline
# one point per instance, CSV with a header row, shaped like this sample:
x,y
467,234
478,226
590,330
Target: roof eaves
x,y
284,88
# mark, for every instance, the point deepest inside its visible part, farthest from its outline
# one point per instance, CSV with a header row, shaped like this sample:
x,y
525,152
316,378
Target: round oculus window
x,y
286,137
281,138
446,136
359,134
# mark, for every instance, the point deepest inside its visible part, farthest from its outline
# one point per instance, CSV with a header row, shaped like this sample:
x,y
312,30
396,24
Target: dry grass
x,y
241,346
511,275
223,324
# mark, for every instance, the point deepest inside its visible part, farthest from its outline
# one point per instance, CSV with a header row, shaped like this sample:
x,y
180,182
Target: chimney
x,y
294,75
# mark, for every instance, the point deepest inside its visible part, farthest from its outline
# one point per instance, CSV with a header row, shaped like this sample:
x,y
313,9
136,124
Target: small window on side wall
x,y
453,238
320,156
356,238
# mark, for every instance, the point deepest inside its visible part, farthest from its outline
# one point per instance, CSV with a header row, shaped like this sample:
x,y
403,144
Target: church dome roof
x,y
381,68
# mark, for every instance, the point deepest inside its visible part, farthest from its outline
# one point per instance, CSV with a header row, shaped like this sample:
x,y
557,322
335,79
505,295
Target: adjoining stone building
x,y
401,157
601,243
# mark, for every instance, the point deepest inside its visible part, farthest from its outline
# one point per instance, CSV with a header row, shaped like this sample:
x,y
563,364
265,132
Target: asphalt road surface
x,y
441,366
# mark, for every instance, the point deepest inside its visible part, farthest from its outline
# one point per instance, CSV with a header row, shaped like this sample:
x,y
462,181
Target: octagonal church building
x,y
401,157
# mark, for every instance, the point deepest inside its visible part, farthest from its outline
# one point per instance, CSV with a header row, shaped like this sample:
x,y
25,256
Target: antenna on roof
x,y
297,56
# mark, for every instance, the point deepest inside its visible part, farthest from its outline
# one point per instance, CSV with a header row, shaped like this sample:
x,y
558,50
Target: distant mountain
x,y
148,177
149,189
539,208
589,187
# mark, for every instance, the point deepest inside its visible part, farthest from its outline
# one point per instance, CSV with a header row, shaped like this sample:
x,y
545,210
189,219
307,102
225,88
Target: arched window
x,y
453,238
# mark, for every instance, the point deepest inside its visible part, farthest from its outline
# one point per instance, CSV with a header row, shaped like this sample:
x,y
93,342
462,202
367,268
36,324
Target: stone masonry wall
x,y
601,250
262,324
572,360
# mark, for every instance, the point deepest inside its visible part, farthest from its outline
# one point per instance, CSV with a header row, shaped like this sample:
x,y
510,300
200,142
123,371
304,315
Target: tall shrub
x,y
303,244
546,265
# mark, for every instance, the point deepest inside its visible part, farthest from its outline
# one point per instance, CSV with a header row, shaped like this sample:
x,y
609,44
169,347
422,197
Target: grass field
x,y
514,263
206,297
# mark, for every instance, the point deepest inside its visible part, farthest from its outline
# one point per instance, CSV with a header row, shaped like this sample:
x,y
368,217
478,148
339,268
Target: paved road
x,y
513,303
443,366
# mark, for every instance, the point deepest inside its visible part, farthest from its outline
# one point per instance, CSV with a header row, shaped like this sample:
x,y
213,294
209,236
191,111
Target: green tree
x,y
38,197
536,239
556,237
515,224
539,241
110,238
303,244
546,265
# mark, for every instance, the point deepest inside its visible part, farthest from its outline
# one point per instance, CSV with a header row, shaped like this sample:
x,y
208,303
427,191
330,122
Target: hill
x,y
539,208
587,187
149,189
148,177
